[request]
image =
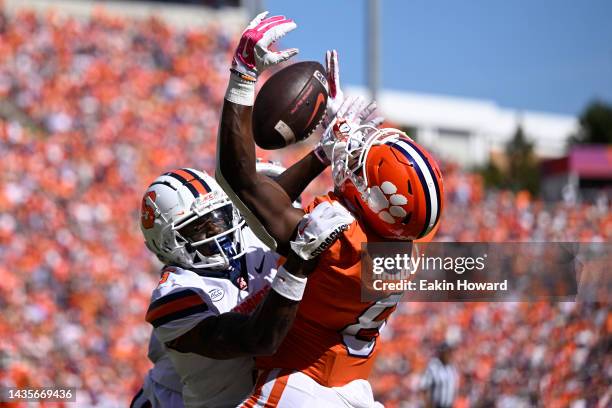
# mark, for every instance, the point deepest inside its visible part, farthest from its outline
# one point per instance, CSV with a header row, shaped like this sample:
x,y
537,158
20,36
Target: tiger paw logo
x,y
385,201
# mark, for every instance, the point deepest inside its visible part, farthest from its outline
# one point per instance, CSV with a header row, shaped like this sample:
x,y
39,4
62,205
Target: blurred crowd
x,y
105,105
507,354
476,214
93,110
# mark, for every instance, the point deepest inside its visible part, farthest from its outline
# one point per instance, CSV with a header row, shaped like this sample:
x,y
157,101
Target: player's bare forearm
x,y
236,148
232,335
296,178
263,197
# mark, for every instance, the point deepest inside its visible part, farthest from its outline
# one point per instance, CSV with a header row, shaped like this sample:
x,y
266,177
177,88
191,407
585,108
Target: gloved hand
x,y
353,111
319,229
252,56
336,96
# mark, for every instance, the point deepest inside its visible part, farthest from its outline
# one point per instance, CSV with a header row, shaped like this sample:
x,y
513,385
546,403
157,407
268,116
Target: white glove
x,y
336,96
252,55
320,228
354,110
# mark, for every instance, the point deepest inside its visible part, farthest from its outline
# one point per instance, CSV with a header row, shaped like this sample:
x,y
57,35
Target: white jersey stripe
x,y
266,389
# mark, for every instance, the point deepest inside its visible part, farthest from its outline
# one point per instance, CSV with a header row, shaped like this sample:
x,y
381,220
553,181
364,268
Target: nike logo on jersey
x,y
259,269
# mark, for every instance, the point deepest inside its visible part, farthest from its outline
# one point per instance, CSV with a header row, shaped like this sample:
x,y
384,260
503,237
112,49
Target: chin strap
x,y
235,272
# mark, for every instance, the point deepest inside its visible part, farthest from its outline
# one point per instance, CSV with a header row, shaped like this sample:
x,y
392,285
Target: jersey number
x,y
360,337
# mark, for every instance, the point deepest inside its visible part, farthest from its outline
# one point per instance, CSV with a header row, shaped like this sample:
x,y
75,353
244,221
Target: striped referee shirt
x,y
441,381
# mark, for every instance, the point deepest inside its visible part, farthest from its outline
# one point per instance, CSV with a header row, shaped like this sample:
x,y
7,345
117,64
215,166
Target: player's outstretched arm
x,y
232,335
259,198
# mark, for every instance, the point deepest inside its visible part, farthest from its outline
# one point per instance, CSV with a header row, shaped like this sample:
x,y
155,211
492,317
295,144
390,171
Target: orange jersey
x,y
334,335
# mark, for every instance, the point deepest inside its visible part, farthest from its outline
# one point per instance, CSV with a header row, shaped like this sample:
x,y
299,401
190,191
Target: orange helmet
x,y
390,181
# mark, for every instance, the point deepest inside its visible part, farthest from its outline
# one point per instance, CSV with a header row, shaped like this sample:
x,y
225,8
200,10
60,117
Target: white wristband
x,y
288,285
240,91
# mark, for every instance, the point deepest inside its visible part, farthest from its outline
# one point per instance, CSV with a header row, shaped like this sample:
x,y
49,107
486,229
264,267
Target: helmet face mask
x,y
200,230
349,164
346,155
211,237
194,223
392,183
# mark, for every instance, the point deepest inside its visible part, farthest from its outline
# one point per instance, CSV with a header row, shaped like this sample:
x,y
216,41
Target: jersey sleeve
x,y
178,304
156,350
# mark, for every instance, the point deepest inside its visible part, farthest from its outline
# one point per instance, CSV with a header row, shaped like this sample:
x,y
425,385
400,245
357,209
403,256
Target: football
x,y
290,105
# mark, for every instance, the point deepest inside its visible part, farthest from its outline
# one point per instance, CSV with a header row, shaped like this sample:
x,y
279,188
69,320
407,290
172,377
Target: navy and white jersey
x,y
163,371
182,300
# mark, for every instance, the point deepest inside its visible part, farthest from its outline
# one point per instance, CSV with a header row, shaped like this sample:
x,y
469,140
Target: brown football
x,y
290,105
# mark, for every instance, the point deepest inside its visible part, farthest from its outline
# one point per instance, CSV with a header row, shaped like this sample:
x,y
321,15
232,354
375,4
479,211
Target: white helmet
x,y
188,220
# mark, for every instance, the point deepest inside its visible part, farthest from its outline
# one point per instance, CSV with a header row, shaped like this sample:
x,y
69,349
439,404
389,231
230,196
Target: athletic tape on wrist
x,y
240,89
288,285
